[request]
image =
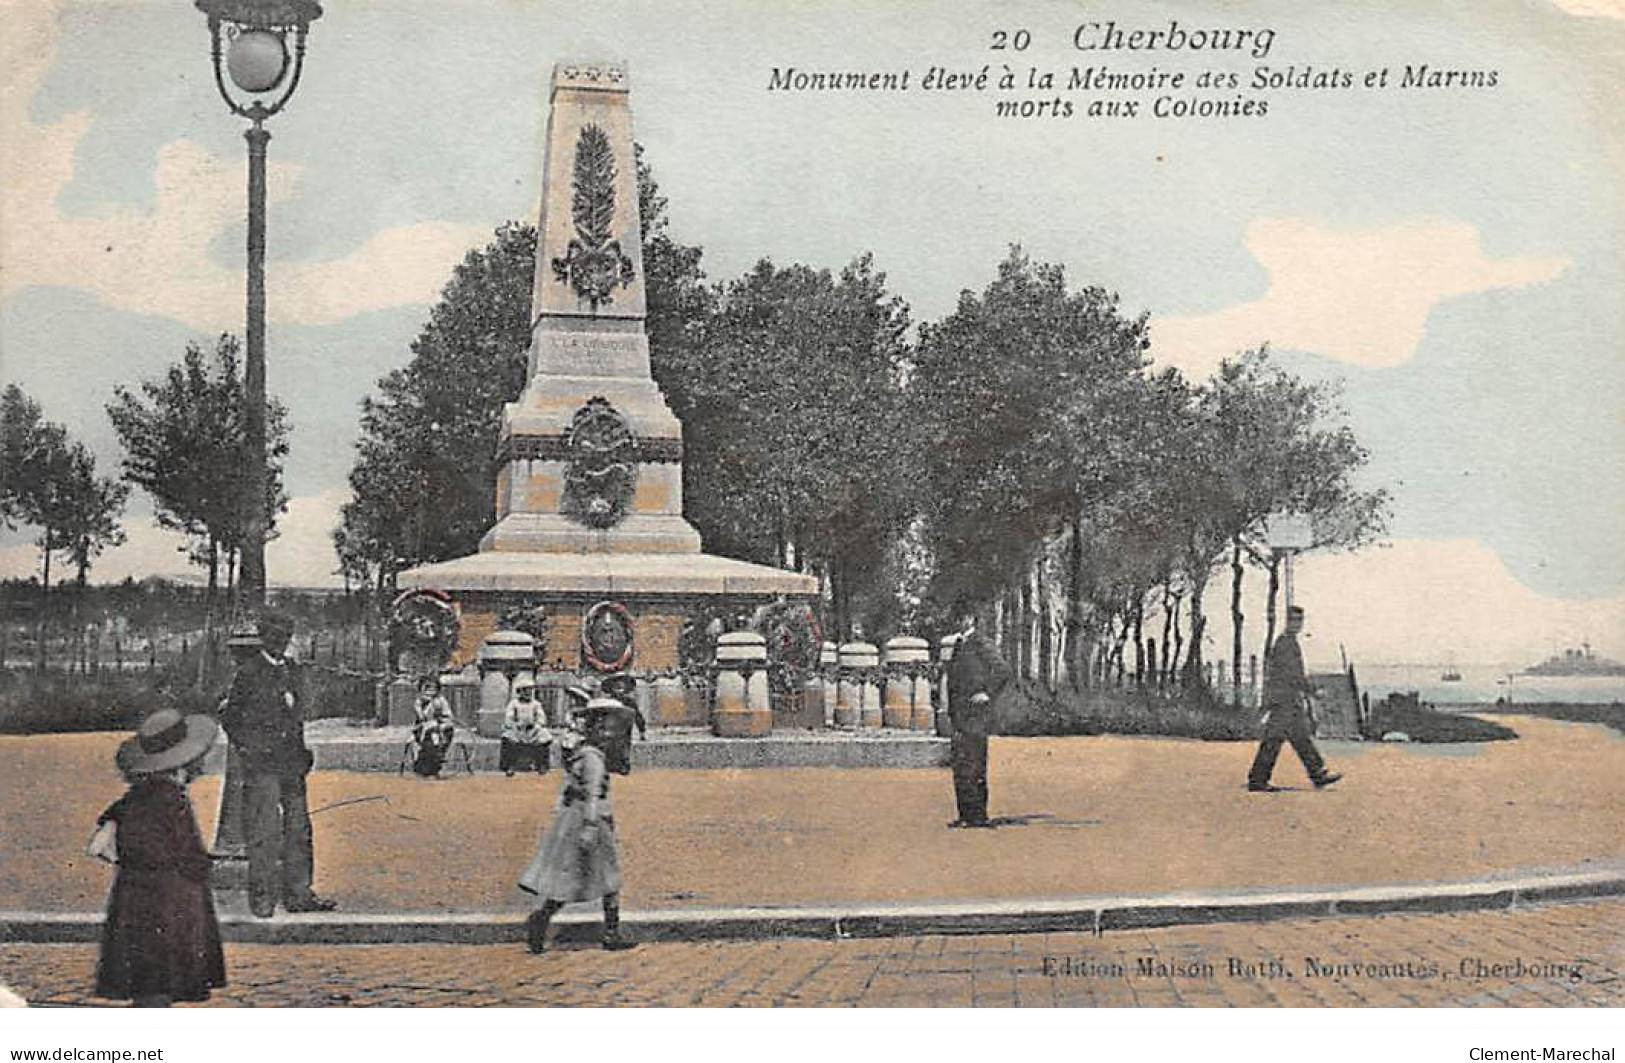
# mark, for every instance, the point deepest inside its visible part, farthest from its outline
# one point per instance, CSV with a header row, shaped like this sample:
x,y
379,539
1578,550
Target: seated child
x,y
525,736
434,728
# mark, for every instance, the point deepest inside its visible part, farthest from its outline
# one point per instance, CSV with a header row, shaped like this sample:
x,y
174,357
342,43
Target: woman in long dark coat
x,y
161,940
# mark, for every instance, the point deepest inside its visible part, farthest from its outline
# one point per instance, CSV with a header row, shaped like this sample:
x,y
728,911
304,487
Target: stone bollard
x,y
815,710
494,694
670,703
924,717
902,659
402,701
463,695
852,660
742,708
859,701
504,656
827,675
945,654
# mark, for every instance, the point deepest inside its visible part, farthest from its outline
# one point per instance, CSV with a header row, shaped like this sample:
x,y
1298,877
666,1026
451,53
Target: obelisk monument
x,y
589,502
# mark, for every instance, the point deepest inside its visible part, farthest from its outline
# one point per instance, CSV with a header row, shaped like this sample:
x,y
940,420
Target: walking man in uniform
x,y
976,674
1286,712
266,723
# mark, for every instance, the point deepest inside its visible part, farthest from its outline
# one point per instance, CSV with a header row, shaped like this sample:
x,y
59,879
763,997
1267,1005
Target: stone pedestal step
x,y
383,749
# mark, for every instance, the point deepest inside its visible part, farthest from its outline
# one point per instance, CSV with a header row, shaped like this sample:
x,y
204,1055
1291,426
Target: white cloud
x,y
1356,295
156,262
1424,601
1592,8
301,556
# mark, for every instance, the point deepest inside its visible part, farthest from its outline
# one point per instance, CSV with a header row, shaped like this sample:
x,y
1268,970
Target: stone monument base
x,y
657,590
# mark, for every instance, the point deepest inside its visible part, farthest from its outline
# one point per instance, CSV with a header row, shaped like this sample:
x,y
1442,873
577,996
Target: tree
x,y
793,407
51,484
29,445
1277,444
1016,392
90,513
184,441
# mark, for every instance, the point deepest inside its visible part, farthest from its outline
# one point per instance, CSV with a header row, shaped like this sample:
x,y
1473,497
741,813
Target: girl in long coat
x,y
161,940
579,858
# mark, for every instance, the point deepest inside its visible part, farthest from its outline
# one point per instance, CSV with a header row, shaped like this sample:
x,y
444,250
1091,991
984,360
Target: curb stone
x,y
1092,914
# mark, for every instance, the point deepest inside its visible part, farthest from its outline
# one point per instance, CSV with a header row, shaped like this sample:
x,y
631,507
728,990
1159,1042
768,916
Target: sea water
x,y
1485,684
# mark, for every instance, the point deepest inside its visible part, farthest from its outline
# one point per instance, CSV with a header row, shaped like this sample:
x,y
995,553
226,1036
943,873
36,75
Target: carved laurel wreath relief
x,y
593,264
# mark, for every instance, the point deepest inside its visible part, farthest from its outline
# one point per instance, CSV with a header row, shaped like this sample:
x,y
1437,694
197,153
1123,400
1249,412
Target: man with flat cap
x,y
1286,712
266,723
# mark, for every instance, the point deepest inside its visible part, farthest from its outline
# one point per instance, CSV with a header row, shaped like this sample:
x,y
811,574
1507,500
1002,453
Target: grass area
x,y
1032,710
53,702
1610,715
1423,724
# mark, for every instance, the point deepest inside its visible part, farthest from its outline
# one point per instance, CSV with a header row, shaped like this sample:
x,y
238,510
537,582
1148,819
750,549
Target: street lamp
x,y
249,46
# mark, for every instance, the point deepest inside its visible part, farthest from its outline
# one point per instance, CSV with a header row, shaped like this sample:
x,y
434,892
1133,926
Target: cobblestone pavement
x,y
1562,955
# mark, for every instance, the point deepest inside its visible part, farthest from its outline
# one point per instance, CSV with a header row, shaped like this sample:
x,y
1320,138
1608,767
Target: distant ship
x,y
1576,662
1450,675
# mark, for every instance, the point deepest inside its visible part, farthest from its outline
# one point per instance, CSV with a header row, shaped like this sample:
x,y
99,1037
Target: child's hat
x,y
166,740
601,706
524,683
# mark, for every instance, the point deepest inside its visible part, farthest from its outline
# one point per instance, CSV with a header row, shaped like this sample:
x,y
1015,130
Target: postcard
x,y
903,505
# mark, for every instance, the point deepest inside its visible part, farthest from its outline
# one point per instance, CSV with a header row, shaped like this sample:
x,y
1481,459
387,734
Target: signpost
x,y
1287,533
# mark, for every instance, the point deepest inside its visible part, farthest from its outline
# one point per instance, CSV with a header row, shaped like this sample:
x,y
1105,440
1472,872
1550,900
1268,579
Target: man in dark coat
x,y
1286,712
266,723
976,674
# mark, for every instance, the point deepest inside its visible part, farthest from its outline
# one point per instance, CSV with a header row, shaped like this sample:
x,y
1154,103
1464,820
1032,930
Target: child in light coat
x,y
579,858
525,737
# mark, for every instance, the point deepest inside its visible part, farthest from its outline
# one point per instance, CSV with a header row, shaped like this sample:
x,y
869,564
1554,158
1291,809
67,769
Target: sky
x,y
1448,256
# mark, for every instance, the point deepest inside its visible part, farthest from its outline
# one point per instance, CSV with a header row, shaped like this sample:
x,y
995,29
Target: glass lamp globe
x,y
256,60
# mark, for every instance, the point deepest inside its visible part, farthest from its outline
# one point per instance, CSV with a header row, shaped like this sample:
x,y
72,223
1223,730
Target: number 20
x,y
1019,40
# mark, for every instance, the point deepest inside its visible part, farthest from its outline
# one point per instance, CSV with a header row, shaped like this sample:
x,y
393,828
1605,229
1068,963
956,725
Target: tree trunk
x,y
1139,643
1193,658
1024,606
1171,665
79,616
1077,646
42,628
1269,604
1167,625
1236,620
1046,634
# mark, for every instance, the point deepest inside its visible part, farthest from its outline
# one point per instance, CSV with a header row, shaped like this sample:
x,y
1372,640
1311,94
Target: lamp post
x,y
249,47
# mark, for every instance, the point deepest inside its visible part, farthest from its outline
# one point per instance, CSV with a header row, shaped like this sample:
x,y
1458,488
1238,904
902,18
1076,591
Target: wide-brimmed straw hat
x,y
600,705
619,685
166,740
